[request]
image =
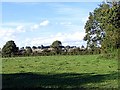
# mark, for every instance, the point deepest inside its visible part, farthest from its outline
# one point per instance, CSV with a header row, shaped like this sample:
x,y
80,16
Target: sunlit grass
x,y
82,70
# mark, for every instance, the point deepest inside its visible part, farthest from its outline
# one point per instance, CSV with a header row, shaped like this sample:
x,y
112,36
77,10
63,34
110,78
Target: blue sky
x,y
41,23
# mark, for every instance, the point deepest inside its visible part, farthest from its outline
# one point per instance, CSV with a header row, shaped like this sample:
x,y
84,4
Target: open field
x,y
85,71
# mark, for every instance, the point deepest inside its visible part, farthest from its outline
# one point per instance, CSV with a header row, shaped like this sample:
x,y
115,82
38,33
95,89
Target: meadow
x,y
77,71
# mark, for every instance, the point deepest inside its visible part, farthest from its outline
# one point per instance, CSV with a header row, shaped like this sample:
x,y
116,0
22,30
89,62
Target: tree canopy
x,y
103,27
9,49
56,45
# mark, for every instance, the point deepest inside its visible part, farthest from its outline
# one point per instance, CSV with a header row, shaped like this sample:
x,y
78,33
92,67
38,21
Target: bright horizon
x,y
41,23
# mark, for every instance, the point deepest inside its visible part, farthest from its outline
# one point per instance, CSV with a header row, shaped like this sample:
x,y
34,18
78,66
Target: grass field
x,y
85,71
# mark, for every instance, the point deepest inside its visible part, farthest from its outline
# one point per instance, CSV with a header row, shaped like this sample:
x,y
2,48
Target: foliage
x,y
110,21
28,50
9,49
57,46
103,29
56,43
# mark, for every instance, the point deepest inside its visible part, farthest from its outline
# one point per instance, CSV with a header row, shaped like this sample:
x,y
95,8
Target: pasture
x,y
77,71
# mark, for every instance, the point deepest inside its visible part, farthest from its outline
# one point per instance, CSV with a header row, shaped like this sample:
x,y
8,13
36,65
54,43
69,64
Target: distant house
x,y
41,49
22,50
51,49
37,50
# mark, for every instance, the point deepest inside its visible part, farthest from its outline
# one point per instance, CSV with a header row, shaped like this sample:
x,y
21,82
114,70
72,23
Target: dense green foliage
x,y
103,27
86,71
9,49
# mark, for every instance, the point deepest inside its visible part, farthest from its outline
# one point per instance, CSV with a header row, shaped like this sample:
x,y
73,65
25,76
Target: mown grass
x,y
85,71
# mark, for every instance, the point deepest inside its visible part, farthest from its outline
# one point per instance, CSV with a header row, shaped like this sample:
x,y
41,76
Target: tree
x,y
57,46
103,28
9,49
110,21
56,43
94,32
28,50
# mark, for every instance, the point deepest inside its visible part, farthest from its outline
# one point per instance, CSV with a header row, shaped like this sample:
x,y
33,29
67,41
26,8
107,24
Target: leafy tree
x,y
94,32
28,50
57,46
9,49
103,28
56,43
110,21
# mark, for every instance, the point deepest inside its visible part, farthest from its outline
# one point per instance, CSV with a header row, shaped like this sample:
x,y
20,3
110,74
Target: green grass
x,y
85,71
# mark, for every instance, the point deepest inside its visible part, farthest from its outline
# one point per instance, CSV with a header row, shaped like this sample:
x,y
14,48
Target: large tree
x,y
110,21
102,28
9,49
94,28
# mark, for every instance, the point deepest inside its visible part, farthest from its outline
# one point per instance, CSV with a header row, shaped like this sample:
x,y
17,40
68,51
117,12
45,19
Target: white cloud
x,y
75,38
20,28
34,27
6,32
69,37
44,23
5,35
66,23
37,26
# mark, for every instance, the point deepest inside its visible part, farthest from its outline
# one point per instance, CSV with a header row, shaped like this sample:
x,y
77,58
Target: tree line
x,y
102,36
10,50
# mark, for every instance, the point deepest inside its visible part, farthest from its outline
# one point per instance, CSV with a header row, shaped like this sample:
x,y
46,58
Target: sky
x,y
41,23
